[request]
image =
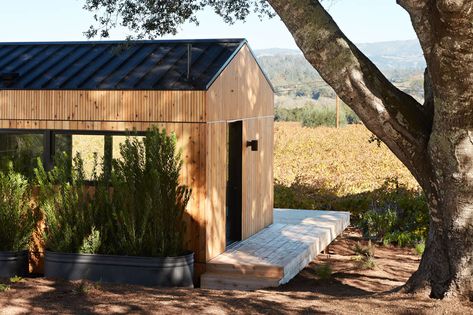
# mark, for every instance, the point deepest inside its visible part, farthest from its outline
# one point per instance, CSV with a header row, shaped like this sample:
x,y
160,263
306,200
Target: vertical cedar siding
x,y
241,92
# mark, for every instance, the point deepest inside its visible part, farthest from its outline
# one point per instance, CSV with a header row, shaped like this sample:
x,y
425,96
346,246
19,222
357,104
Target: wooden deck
x,y
277,253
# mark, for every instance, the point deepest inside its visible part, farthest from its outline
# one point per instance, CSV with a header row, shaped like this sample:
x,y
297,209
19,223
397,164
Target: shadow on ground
x,y
349,290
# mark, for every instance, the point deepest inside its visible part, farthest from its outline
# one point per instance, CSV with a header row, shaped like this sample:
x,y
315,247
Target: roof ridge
x,y
119,42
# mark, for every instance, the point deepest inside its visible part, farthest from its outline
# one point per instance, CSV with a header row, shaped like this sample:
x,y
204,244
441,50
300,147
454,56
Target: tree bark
x,y
434,141
446,34
447,264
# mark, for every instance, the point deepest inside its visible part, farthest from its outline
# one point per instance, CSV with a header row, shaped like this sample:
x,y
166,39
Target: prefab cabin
x,y
211,93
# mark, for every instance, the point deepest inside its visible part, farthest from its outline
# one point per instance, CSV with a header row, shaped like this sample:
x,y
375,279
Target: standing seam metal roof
x,y
115,65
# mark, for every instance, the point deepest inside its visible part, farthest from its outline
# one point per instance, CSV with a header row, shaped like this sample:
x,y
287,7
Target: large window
x,y
21,150
96,150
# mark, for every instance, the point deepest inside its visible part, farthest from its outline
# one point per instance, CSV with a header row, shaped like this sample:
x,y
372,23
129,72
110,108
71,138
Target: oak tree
x,y
434,139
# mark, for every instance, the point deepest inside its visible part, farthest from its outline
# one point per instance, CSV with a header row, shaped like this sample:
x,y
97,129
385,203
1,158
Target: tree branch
x,y
392,115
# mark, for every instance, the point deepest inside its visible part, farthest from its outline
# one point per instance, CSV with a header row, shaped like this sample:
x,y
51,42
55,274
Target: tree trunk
x,y
446,34
447,264
435,141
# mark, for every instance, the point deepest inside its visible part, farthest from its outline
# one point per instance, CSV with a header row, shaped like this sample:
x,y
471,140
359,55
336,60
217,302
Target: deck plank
x,y
282,249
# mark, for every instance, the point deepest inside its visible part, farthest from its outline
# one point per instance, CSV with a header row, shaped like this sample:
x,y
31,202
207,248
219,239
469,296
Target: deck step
x,y
232,281
266,271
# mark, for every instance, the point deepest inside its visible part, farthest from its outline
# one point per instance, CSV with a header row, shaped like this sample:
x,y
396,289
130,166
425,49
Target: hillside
x,y
297,82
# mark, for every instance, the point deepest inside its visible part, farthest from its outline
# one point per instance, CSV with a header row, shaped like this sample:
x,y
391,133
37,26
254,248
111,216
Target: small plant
x,y
16,279
364,255
4,287
82,288
91,244
420,248
323,271
17,220
376,224
400,238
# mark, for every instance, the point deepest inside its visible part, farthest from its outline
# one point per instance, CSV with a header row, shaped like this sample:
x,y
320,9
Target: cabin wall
x,y
216,175
257,176
241,92
98,110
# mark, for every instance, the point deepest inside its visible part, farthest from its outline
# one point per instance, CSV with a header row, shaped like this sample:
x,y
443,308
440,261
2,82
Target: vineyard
x,y
328,168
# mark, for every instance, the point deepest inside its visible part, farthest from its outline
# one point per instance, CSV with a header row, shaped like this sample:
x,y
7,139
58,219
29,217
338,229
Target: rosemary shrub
x,y
137,207
17,220
66,204
143,216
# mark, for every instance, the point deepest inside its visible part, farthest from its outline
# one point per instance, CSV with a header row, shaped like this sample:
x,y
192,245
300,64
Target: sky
x,y
363,21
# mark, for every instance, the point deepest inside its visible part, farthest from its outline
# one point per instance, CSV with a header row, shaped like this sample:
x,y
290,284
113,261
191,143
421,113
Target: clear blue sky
x,y
60,20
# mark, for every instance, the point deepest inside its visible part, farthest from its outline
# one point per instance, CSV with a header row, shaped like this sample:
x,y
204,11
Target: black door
x,y
234,181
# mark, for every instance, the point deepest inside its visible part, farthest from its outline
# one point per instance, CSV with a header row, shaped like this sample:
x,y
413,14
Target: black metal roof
x,y
115,65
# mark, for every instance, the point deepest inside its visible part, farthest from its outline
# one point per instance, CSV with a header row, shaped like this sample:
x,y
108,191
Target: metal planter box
x,y
13,264
149,271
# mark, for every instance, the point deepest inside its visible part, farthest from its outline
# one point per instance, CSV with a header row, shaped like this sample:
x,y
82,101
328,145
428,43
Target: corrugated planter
x,y
149,271
13,264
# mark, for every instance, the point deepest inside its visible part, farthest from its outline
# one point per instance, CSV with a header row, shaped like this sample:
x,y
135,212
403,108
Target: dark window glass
x,y
22,150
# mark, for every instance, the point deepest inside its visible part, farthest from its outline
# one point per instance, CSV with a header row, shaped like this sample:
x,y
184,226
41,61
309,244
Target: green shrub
x,y
91,244
376,224
4,287
420,248
16,216
323,271
400,238
397,216
315,116
66,204
21,150
144,217
137,208
364,255
289,114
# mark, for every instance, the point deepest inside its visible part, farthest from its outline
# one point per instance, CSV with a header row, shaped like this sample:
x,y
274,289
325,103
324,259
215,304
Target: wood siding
x,y
241,91
257,205
109,107
216,175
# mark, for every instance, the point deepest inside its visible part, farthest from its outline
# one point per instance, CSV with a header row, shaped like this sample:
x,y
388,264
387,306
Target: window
x,y
22,150
96,150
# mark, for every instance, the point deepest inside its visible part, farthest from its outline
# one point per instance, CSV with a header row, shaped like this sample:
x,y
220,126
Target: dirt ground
x,y
349,290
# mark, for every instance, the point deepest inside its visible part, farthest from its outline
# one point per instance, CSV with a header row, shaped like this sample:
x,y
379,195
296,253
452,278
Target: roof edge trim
x,y
115,42
242,44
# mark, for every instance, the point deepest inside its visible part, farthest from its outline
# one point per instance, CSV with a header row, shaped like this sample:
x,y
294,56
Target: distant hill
x,y
406,54
276,52
398,54
295,79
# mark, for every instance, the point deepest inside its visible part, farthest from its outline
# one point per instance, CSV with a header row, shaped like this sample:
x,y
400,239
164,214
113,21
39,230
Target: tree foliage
x,y
153,18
